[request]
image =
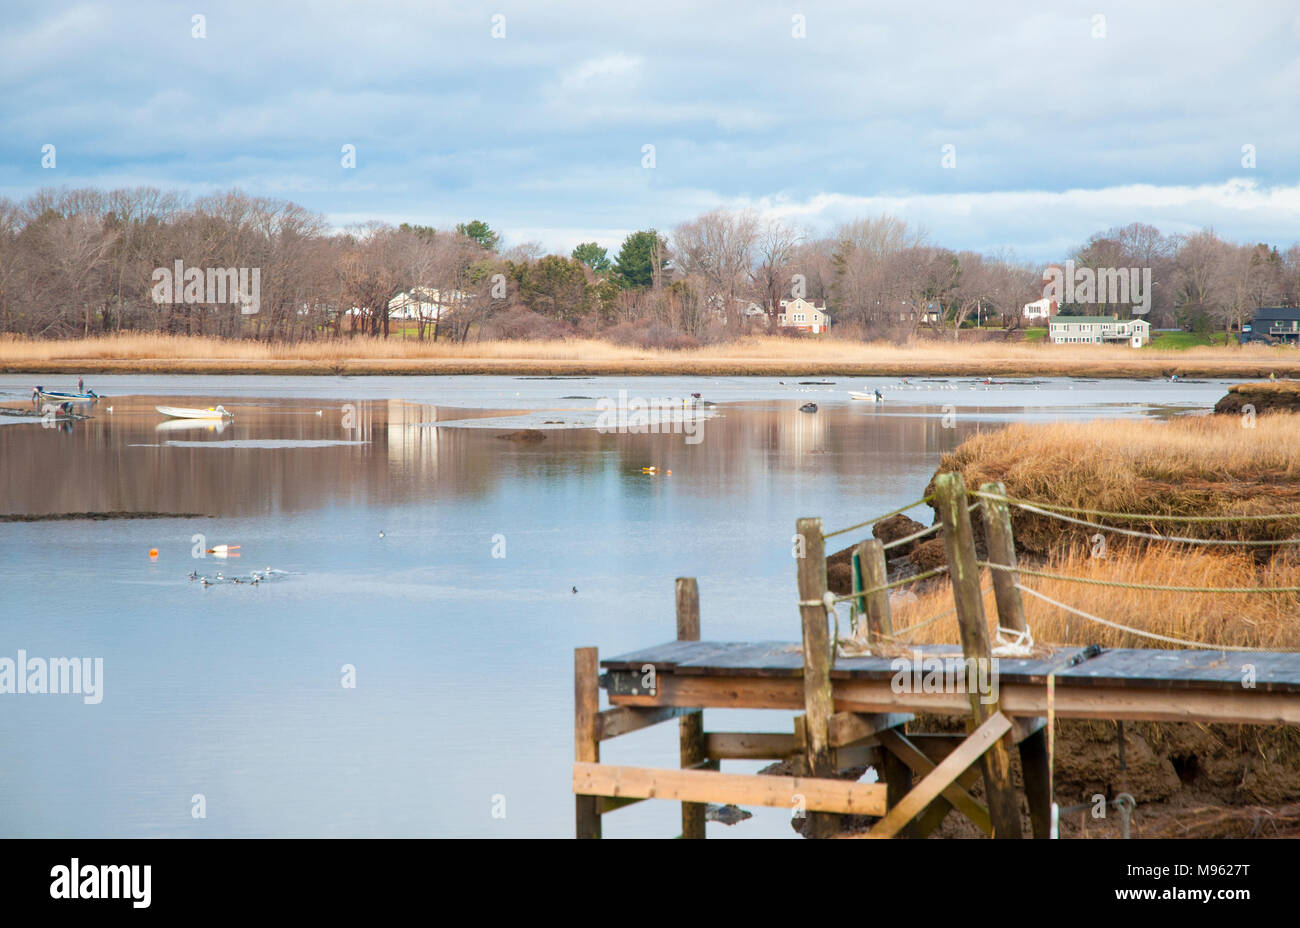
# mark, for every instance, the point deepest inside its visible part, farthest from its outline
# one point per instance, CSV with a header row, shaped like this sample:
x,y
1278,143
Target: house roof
x,y
1266,313
1061,320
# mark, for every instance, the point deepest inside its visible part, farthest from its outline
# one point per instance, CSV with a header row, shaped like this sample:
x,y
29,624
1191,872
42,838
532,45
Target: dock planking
x,y
1147,668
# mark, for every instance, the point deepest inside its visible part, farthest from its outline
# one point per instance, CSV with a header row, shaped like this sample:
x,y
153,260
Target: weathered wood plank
x,y
848,727
586,739
933,784
818,707
959,545
739,745
955,793
620,720
691,728
818,794
1244,707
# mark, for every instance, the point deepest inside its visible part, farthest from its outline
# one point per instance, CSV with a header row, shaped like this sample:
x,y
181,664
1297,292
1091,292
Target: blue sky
x,y
1057,133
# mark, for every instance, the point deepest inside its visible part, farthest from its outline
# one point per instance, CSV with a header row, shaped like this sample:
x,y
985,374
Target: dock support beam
x,y
959,545
691,727
586,737
818,703
1034,759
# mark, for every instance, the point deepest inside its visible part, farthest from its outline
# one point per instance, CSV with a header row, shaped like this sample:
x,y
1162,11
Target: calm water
x,y
463,660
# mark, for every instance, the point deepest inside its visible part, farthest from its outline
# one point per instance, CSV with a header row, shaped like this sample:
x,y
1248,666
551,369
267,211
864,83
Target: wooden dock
x,y
856,710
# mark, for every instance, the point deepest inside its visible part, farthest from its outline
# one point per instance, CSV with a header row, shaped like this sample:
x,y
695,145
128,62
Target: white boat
x,y
183,412
868,397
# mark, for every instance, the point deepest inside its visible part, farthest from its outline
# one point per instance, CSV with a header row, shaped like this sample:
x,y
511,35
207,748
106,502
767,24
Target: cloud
x,y
1057,134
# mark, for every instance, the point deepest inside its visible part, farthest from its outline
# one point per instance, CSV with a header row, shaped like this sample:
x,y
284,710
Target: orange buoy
x,y
153,554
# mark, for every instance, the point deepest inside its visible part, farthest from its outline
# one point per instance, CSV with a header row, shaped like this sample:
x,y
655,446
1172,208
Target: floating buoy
x,y
153,554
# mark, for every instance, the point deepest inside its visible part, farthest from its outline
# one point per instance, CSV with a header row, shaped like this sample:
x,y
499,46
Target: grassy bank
x,y
1201,466
759,355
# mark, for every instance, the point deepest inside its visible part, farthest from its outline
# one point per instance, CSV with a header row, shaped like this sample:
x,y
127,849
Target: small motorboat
x,y
183,412
41,395
867,397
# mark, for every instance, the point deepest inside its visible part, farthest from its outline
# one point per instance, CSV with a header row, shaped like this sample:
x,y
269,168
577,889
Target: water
x,y
463,661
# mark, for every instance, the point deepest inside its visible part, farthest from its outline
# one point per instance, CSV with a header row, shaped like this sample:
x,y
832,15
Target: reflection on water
x,y
437,560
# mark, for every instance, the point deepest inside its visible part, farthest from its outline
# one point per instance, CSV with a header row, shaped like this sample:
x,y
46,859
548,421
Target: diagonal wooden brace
x,y
941,777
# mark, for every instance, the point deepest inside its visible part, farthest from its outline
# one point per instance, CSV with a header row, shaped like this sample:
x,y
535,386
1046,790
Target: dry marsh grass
x,y
1205,466
756,354
1259,620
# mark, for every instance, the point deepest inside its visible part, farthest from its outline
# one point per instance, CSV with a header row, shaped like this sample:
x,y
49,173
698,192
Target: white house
x,y
804,315
1098,330
425,303
1039,309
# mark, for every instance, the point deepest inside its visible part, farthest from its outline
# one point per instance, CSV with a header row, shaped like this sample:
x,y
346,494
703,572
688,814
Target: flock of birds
x,y
258,576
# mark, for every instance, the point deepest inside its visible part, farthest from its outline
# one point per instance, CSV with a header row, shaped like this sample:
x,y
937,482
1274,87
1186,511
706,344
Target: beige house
x,y
1069,330
804,315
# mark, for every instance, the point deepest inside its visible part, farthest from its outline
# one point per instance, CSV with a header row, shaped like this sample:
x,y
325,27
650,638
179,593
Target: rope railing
x,y
924,575
1206,645
899,511
1135,533
1135,516
1129,585
913,537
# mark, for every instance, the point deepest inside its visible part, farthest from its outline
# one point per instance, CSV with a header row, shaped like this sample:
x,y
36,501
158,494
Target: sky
x,y
537,117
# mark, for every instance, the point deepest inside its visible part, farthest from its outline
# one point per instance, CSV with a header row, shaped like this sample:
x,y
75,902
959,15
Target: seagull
x,y
575,589
220,577
110,410
206,583
194,575
381,533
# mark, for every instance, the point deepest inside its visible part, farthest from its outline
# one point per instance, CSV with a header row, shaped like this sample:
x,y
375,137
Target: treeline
x,y
81,262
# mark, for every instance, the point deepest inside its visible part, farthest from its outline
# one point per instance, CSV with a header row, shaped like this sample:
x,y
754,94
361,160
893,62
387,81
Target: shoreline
x,y
1137,368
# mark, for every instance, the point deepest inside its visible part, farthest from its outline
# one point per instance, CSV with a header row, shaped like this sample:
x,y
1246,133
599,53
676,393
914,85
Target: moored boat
x,y
41,395
868,397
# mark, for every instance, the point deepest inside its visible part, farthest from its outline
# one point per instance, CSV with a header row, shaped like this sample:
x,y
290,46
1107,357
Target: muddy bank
x,y
1046,366
1269,396
101,516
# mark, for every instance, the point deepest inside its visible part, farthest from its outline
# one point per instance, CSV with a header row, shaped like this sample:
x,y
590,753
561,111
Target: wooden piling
x,y
959,545
586,737
1034,759
691,727
1002,550
818,703
871,557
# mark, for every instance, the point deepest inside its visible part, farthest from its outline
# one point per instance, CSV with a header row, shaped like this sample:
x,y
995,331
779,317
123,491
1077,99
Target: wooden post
x,y
818,702
871,555
959,545
691,727
1011,614
1002,550
586,739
